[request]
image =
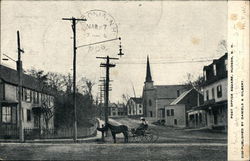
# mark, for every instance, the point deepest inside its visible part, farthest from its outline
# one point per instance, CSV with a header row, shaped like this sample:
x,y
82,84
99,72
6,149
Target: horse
x,y
118,129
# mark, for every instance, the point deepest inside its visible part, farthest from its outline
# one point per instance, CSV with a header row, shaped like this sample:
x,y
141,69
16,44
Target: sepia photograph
x,y
124,80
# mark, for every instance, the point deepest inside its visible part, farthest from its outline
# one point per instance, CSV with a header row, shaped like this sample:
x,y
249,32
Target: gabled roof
x,y
10,76
137,100
182,96
168,91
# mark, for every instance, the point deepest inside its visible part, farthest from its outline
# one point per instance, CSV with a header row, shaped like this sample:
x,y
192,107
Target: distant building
x,y
213,113
34,98
117,110
156,97
135,107
176,112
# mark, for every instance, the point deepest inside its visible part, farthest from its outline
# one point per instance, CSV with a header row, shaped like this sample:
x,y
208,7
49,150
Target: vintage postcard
x,y
124,80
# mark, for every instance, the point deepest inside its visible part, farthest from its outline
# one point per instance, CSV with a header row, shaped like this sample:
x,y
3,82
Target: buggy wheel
x,y
149,138
144,138
154,135
138,139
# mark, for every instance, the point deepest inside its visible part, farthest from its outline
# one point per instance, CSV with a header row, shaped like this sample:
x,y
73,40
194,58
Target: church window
x,y
150,103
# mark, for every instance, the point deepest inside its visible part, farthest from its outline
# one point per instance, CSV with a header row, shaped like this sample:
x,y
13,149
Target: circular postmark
x,y
100,26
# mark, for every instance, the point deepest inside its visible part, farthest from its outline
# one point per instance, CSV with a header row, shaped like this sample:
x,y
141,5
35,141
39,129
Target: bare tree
x,y
125,98
222,47
196,83
86,85
47,110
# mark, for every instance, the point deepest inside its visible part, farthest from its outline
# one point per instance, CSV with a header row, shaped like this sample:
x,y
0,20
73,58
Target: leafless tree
x,y
222,47
196,83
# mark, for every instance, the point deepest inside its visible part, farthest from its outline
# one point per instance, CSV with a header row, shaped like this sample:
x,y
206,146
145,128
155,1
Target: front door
x,y
215,119
163,113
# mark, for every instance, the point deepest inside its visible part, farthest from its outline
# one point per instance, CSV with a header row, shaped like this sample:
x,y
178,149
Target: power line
x,y
168,62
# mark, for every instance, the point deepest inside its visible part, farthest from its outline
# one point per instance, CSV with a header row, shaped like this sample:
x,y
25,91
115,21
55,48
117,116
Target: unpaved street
x,y
34,151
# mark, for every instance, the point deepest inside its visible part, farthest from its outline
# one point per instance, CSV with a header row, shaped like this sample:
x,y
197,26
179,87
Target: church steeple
x,y
148,74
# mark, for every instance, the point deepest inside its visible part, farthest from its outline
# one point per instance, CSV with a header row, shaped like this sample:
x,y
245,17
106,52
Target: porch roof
x,y
209,105
6,102
40,110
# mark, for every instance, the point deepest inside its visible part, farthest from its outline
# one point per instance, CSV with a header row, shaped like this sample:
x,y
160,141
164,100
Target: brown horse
x,y
118,129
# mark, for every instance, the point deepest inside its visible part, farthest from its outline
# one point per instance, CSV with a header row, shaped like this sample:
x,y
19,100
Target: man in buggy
x,y
142,127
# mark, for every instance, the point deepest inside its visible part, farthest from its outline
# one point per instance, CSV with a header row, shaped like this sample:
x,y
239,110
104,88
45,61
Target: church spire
x,y
148,74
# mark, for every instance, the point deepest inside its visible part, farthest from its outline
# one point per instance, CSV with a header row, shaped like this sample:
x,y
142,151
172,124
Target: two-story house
x,y
213,113
36,100
117,110
176,112
134,106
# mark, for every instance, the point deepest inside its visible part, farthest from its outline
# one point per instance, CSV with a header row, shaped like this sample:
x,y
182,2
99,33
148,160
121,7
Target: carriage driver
x,y
142,126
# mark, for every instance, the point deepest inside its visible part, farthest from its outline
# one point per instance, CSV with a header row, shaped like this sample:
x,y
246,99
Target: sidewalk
x,y
68,140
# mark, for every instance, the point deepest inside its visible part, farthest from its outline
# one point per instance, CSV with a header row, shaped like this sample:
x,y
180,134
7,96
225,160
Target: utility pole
x,y
107,80
103,90
20,74
73,19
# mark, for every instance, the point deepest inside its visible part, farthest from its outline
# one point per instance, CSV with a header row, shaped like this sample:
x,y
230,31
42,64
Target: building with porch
x,y
213,113
176,112
37,103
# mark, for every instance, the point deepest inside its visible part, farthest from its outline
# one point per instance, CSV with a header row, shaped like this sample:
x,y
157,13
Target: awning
x,y
210,106
39,110
6,102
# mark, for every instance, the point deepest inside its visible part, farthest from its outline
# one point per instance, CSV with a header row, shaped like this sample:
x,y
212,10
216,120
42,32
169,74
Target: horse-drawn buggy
x,y
138,135
146,135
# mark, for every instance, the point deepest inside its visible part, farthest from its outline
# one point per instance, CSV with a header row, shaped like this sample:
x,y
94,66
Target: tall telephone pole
x,y
73,19
107,65
20,73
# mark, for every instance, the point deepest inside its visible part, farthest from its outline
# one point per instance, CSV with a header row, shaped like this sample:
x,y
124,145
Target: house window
x,y
28,115
37,98
205,75
151,113
168,113
200,117
226,66
140,111
178,93
23,93
207,95
214,68
42,97
172,112
34,97
212,93
6,114
150,103
175,121
28,97
219,91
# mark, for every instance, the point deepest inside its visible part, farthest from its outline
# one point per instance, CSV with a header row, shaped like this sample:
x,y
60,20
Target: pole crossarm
x,y
100,42
99,57
107,65
76,19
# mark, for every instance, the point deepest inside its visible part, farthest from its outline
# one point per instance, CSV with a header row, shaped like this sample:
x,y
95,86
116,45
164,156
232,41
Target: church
x,y
156,97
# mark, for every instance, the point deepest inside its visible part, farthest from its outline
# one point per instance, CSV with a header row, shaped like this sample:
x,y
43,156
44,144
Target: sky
x,y
179,38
